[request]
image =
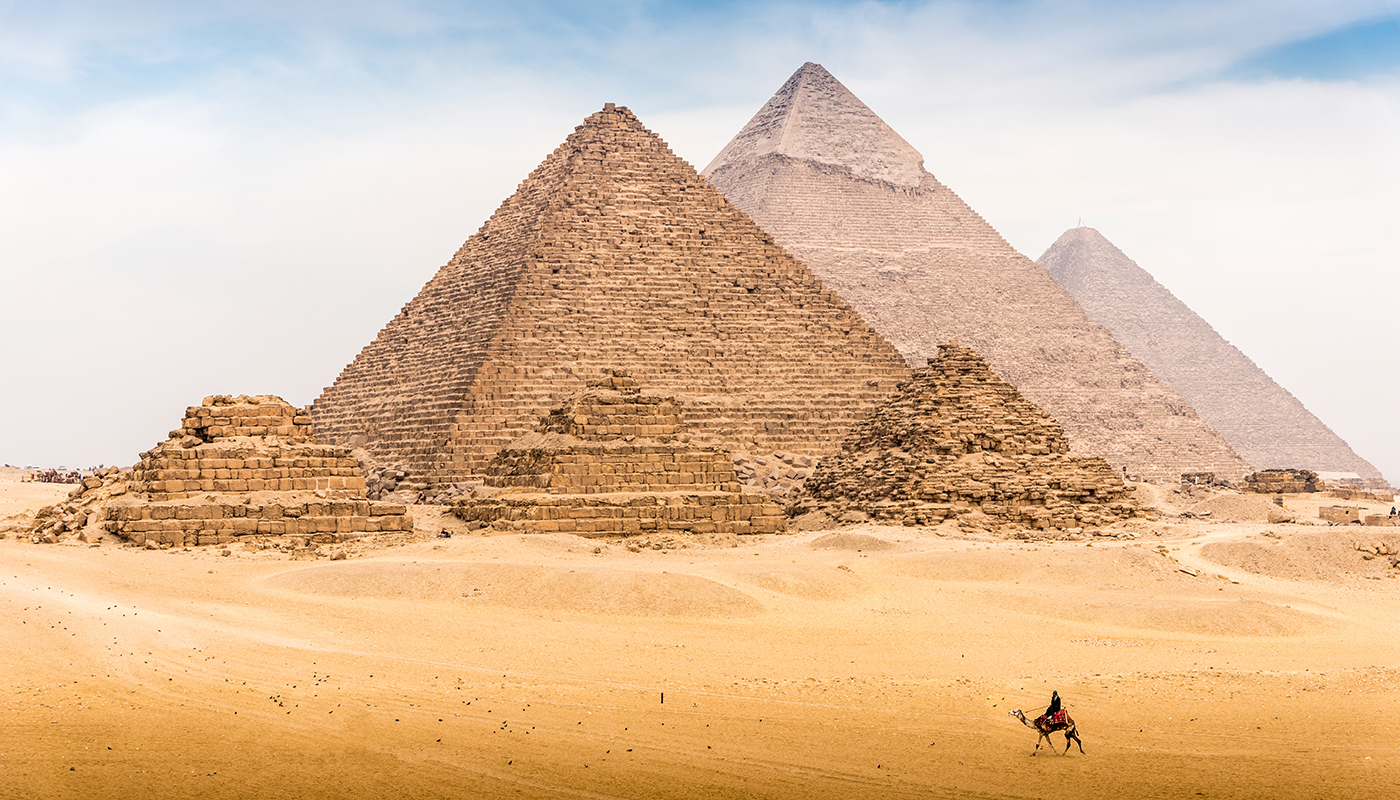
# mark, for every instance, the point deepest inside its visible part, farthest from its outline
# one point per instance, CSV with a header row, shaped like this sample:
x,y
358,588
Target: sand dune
x,y
865,661
1331,556
601,591
844,540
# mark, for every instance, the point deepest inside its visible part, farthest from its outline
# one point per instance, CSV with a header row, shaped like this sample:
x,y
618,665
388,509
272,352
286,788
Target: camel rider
x,y
1054,704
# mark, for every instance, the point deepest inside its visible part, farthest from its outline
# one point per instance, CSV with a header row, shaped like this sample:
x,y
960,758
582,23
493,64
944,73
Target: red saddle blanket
x,y
1051,720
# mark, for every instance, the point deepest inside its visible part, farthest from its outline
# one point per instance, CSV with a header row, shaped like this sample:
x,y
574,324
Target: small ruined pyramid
x,y
850,198
614,461
237,468
612,253
958,442
1265,424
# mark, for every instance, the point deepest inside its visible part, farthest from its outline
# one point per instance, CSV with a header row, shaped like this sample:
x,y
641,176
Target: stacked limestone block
x,y
1274,481
613,461
247,466
958,442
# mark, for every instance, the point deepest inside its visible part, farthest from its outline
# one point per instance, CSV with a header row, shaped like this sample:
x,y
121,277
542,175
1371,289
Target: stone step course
x,y
613,461
245,466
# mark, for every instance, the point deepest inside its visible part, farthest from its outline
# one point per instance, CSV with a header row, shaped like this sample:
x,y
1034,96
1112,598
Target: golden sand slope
x,y
868,662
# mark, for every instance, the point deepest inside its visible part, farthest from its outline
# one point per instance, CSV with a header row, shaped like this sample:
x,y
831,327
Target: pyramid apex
x,y
815,117
609,111
1077,236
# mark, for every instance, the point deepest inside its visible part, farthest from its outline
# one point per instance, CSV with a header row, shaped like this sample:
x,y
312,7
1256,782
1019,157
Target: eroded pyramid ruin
x,y
236,467
1265,424
614,461
849,197
612,253
958,442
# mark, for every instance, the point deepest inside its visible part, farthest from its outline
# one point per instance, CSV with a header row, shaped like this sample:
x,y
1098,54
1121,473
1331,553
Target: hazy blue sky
x,y
234,197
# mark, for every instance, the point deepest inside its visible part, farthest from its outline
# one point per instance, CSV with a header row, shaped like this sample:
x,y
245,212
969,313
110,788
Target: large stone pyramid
x,y
958,442
612,253
1265,424
845,194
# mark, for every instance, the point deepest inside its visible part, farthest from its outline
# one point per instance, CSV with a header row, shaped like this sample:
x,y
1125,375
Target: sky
x,y
234,197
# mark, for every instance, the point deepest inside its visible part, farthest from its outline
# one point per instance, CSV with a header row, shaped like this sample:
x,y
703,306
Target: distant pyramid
x,y
612,253
850,198
1260,419
958,442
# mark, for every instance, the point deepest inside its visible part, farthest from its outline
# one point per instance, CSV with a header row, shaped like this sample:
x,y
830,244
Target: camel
x,y
1071,734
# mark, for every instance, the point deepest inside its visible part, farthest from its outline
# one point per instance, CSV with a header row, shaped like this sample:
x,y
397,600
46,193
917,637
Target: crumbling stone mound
x,y
383,481
612,460
81,512
1282,481
958,442
237,466
1340,515
1204,479
777,474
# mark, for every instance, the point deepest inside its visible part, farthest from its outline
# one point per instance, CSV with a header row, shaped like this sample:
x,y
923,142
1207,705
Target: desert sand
x,y
863,661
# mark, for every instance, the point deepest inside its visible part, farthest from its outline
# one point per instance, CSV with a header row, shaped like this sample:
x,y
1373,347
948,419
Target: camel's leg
x,y
1072,737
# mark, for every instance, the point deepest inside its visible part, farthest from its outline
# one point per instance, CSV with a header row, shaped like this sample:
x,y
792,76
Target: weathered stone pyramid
x,y
957,442
613,253
1265,424
237,467
850,198
612,460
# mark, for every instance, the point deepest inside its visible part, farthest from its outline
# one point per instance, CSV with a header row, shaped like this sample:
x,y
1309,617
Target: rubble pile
x,y
958,442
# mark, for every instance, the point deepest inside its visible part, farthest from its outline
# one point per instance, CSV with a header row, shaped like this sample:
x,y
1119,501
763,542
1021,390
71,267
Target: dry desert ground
x,y
864,661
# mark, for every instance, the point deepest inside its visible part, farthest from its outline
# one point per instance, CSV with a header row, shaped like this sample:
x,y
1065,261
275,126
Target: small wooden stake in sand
x,y
663,698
